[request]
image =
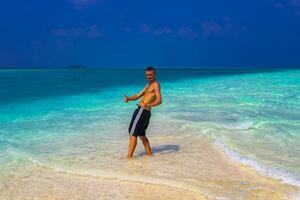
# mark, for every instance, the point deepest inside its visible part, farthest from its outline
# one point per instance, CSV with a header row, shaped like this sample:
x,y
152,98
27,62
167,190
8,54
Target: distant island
x,y
77,66
81,67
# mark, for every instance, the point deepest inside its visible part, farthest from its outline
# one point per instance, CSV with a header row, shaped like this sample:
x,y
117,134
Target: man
x,y
141,116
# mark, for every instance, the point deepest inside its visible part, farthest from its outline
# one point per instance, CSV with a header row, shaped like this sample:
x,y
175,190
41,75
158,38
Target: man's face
x,y
150,75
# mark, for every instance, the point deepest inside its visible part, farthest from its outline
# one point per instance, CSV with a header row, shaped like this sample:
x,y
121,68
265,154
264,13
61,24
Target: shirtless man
x,y
141,116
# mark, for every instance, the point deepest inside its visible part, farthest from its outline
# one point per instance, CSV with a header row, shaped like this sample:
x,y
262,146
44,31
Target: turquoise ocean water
x,y
60,117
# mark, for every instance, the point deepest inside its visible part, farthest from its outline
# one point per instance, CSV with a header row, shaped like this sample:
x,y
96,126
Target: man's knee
x,y
144,139
133,138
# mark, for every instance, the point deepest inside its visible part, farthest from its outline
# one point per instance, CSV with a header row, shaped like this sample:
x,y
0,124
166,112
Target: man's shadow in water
x,y
162,149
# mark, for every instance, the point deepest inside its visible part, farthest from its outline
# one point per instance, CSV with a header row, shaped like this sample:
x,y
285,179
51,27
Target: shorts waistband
x,y
143,108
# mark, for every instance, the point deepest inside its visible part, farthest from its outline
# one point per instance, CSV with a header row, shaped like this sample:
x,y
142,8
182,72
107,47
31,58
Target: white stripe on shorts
x,y
137,117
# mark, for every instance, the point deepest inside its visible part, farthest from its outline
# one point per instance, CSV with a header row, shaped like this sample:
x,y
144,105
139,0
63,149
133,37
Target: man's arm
x,y
136,96
158,99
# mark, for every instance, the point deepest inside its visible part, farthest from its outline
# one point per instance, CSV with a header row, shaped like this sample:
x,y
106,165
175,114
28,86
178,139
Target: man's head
x,y
150,73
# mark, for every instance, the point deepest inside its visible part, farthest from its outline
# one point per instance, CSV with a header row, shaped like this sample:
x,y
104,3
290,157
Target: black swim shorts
x,y
139,122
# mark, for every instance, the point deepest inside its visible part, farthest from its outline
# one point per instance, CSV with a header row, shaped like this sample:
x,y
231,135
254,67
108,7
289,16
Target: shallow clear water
x,y
77,119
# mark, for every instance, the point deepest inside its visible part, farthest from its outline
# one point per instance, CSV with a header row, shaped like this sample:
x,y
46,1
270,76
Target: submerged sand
x,y
183,167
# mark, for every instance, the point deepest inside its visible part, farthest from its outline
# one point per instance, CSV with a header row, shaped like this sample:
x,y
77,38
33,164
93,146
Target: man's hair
x,y
150,68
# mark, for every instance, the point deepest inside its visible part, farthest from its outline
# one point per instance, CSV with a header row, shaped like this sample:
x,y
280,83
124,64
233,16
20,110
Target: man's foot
x,y
149,155
129,157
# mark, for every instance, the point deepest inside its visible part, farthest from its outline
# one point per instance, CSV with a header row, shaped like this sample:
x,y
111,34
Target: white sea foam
x,y
273,171
239,126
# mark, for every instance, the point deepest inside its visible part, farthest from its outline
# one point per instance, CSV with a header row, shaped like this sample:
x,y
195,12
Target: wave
x,y
5,146
244,125
274,172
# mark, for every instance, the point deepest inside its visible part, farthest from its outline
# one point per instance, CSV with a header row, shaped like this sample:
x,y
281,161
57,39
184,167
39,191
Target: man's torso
x,y
149,95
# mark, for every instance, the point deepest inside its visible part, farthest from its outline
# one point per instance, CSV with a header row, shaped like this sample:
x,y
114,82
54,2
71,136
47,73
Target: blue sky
x,y
163,33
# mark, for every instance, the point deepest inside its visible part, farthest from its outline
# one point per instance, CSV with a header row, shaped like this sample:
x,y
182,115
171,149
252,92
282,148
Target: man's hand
x,y
126,99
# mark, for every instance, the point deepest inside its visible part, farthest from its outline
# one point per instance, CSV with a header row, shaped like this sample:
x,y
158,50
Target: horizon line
x,y
85,67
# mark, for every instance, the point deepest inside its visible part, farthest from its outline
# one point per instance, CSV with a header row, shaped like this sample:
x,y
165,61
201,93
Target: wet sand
x,y
183,167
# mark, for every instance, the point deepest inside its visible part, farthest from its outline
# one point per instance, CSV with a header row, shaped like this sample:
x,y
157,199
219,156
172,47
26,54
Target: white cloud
x,y
89,32
211,28
145,28
81,4
165,30
187,32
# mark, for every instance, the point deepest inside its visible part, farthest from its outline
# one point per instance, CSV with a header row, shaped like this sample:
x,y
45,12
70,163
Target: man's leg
x,y
131,147
146,145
